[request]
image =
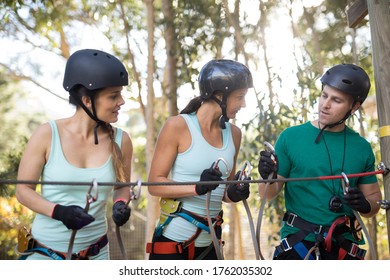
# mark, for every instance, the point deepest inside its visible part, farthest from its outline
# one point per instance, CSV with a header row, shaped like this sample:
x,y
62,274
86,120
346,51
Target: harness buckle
x,y
179,248
354,250
318,230
290,219
285,244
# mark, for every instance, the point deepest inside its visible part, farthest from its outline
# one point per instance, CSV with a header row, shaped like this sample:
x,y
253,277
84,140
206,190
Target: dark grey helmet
x,y
223,75
94,69
350,79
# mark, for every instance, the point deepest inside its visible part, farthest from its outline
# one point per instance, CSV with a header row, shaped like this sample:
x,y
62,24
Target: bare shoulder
x,y
175,123
237,134
126,140
42,133
39,143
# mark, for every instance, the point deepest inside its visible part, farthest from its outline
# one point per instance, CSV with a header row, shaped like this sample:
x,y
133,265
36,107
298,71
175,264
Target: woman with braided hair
x,y
82,147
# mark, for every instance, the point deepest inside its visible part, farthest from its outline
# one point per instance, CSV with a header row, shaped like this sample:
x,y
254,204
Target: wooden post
x,y
379,16
356,12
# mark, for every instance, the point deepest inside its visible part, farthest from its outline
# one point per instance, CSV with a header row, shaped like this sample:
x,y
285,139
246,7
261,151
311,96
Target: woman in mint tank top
x,y
320,220
187,147
82,148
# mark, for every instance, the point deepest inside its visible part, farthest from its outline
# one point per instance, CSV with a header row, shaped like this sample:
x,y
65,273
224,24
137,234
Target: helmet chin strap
x,y
223,119
92,115
347,115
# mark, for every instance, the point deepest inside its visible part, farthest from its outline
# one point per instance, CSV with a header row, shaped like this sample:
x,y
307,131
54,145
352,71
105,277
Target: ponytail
x,y
117,157
193,105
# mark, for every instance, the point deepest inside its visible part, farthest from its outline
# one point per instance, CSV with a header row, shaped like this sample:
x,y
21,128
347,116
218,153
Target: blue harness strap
x,y
49,252
185,216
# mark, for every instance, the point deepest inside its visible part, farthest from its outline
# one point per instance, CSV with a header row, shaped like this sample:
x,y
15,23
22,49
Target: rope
x,y
126,184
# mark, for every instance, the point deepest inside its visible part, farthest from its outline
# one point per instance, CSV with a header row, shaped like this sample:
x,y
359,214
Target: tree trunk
x,y
171,50
153,205
380,37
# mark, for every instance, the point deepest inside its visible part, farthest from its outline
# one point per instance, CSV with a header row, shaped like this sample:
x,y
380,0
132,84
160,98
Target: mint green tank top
x,y
54,234
188,166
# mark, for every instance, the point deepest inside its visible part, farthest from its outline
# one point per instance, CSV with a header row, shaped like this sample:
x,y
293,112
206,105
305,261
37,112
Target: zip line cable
x,y
126,184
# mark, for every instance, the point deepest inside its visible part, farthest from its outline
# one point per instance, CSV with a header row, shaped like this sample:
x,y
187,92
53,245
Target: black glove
x,y
268,163
73,216
210,174
239,191
356,200
120,213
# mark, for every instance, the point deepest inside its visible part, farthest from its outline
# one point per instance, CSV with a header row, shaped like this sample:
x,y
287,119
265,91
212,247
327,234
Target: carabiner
x,y
344,182
91,197
215,165
134,195
245,170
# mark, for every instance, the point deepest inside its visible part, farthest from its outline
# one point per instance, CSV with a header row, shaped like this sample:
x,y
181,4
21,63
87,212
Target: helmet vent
x,y
347,82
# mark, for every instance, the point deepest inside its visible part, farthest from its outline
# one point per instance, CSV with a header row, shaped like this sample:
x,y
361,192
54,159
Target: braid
x,y
117,157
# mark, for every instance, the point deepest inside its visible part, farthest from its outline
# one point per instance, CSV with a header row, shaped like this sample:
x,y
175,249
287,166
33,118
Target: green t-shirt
x,y
300,157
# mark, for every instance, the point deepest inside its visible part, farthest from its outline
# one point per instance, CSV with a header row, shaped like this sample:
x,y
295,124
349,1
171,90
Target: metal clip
x,y
92,194
345,182
215,165
245,170
382,166
384,204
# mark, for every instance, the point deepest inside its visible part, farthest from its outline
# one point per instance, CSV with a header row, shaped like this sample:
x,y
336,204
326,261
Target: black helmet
x,y
94,69
350,79
223,75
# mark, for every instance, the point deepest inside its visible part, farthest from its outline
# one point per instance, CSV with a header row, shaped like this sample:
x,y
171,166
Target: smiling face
x,y
108,103
235,101
333,106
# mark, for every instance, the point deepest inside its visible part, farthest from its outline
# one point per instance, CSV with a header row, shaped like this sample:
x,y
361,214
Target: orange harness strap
x,y
165,248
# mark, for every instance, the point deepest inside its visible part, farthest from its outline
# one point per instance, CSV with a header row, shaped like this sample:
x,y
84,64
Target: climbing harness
x,y
270,149
243,175
217,245
133,196
171,208
92,196
27,246
327,234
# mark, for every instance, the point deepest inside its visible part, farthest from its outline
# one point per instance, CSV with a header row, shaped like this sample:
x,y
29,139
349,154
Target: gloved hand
x,y
210,174
120,213
267,165
239,191
356,200
73,216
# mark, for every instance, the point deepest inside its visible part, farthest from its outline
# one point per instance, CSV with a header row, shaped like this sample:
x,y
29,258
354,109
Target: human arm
x,y
236,192
31,166
166,151
120,211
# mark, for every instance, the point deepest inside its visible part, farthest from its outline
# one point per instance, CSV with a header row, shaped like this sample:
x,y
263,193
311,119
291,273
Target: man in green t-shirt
x,y
319,222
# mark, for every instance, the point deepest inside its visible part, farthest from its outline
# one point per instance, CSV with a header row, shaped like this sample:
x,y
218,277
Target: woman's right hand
x,y
73,216
210,174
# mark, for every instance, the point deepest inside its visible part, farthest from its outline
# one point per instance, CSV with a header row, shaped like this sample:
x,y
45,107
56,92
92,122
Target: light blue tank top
x,y
188,166
54,234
